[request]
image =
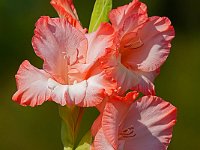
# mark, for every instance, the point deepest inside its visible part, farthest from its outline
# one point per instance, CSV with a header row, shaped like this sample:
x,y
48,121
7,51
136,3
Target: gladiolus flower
x,y
71,72
145,124
142,45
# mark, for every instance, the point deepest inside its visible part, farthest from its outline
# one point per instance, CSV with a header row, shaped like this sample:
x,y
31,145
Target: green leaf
x,y
100,13
85,142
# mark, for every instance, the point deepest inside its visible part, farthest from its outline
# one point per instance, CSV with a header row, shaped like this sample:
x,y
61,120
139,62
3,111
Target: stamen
x,y
52,84
75,82
65,54
131,40
134,43
66,57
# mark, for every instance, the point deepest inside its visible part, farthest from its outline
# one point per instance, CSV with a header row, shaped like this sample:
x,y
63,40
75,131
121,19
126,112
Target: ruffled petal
x,y
87,93
98,41
110,122
32,85
101,143
119,15
156,35
151,120
58,92
60,45
115,110
98,86
125,78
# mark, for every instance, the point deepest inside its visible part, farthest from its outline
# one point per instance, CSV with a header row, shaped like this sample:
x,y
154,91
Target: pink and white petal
x,y
98,87
101,143
67,94
86,93
59,45
99,41
59,92
119,15
152,120
146,85
32,85
156,34
64,7
125,78
77,92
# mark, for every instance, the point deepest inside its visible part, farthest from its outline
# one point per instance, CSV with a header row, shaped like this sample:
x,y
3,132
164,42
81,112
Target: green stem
x,y
71,118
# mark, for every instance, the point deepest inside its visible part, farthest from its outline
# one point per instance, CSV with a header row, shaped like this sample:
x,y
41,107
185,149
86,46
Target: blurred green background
x,y
24,128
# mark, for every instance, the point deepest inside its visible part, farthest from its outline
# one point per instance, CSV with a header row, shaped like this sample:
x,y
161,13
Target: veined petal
x,y
66,9
32,84
152,120
115,110
119,15
60,45
87,93
98,41
156,35
110,126
128,37
133,23
101,143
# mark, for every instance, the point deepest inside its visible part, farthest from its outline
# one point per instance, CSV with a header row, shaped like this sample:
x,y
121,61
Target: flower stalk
x,y
71,118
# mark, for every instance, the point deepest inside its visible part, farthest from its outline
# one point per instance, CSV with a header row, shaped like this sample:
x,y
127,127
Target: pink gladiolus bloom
x,y
71,72
145,124
142,45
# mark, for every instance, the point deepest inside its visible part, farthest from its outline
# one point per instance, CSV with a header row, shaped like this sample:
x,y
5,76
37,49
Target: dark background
x,y
24,128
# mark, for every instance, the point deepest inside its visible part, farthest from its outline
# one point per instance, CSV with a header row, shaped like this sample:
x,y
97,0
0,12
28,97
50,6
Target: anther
x,y
127,133
75,82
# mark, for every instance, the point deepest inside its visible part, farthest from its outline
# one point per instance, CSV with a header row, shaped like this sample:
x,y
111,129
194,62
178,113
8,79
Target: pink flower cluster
x,y
98,68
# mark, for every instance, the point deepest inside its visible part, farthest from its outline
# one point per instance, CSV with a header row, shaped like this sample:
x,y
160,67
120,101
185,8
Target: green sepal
x,y
85,142
100,13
